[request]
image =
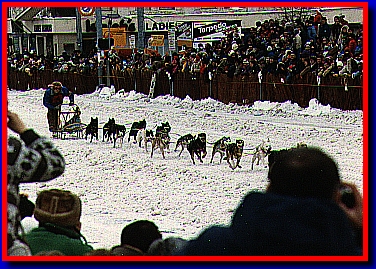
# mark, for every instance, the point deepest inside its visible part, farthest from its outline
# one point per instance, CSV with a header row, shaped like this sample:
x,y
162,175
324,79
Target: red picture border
x,y
363,258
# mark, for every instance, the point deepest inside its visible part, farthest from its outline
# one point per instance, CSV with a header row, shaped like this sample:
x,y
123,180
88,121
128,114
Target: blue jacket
x,y
267,224
311,30
51,100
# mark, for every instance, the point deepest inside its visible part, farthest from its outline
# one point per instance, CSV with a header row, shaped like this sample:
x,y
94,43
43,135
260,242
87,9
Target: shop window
x,y
47,28
37,28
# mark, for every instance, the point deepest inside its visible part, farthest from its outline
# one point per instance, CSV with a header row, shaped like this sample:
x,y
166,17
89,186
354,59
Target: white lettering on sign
x,y
132,41
159,26
212,28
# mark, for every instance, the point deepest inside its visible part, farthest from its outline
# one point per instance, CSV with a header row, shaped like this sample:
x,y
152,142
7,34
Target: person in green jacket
x,y
58,213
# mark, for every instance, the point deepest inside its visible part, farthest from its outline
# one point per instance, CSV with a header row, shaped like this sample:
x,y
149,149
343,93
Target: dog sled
x,y
70,124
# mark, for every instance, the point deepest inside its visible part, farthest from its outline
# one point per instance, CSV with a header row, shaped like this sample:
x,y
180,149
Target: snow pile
x,y
316,109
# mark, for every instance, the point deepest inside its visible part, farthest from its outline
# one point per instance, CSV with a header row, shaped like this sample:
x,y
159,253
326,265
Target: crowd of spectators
x,y
280,47
303,211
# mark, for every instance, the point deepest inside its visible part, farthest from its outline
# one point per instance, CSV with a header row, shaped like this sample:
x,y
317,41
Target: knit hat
x,y
58,207
56,83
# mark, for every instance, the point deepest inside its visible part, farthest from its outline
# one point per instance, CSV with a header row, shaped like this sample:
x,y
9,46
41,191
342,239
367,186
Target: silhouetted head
x,y
304,172
140,234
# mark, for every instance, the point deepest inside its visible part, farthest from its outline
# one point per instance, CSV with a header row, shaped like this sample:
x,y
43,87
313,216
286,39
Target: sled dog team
x,y
230,151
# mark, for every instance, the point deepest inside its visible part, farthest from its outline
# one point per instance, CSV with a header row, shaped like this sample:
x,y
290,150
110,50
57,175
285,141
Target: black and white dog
x,y
118,133
146,136
162,130
183,142
92,129
197,146
260,154
108,129
220,147
234,150
136,126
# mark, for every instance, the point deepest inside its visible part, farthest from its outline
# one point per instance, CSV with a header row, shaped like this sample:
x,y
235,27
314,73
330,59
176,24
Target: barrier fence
x,y
338,92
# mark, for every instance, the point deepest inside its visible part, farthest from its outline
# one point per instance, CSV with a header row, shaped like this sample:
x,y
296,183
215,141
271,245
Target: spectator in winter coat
x,y
30,159
314,65
297,42
58,213
359,47
301,213
352,45
317,20
338,69
311,32
336,28
343,39
136,238
52,99
324,30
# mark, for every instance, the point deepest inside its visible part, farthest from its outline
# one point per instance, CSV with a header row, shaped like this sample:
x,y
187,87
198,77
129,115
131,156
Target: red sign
x,y
86,11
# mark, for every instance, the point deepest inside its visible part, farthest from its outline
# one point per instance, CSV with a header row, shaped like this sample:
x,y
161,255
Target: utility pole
x,y
79,29
98,24
108,51
140,29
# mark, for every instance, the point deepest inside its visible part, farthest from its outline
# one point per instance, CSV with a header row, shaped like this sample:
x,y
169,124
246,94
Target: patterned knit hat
x,y
55,84
58,207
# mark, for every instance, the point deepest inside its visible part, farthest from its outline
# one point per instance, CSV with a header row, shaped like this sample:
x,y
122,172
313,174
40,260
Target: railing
x,y
241,90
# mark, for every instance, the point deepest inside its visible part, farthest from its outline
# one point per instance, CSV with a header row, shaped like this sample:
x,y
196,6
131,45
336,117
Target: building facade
x,y
50,31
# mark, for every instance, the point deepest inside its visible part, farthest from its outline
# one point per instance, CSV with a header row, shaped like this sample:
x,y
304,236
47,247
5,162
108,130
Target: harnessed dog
x,y
136,126
92,129
119,132
262,151
161,141
164,128
220,147
235,150
197,146
183,142
108,129
146,136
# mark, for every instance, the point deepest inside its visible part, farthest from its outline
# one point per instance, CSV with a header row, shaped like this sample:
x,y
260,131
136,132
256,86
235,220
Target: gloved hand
x,y
71,104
